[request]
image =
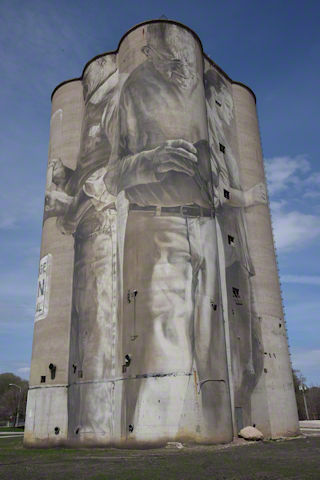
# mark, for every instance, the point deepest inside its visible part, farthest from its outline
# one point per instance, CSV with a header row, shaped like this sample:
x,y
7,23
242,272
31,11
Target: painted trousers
x,y
176,384
91,403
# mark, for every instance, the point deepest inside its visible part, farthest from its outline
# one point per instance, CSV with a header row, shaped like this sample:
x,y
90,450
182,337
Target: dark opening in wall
x,y
132,294
236,292
131,427
214,305
226,194
236,295
43,379
52,369
231,240
218,103
57,430
222,148
127,360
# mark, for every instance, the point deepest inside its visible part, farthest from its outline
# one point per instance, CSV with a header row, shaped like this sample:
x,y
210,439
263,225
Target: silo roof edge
x,y
114,52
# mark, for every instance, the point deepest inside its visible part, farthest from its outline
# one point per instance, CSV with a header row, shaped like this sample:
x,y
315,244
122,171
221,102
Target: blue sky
x,y
272,46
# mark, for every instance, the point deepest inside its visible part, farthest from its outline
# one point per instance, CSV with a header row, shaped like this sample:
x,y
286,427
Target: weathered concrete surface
x,y
163,325
274,408
47,406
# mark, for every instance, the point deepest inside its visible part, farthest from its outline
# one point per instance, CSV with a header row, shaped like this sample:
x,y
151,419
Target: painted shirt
x,y
231,219
151,111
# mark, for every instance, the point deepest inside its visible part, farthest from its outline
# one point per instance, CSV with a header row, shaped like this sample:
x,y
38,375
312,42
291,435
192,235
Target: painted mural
x,y
236,265
165,337
88,213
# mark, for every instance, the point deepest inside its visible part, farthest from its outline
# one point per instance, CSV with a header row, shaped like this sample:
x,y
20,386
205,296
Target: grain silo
x,y
159,315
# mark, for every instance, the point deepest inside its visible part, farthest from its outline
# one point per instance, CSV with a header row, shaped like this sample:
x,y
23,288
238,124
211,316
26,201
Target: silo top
x,y
147,23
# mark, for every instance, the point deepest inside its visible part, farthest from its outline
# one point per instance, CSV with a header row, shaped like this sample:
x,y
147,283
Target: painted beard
x,y
184,77
184,81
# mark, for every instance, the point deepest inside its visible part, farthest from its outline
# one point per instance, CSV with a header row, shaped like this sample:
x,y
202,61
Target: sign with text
x,y
43,290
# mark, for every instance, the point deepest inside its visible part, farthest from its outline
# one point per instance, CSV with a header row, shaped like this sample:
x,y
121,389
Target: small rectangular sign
x,y
43,289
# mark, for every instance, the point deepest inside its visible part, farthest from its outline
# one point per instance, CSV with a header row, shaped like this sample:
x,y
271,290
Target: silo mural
x,y
165,339
236,265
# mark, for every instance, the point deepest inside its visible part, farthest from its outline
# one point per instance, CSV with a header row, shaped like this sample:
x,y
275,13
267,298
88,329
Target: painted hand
x,y
256,195
56,203
175,155
59,172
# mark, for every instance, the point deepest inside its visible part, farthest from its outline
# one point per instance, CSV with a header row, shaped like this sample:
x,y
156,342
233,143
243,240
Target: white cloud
x,y
294,229
277,206
308,362
285,171
303,279
19,207
313,179
19,285
24,372
312,194
18,368
312,184
7,221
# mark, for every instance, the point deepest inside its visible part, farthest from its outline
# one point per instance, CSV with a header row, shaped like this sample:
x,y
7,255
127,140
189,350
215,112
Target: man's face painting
x,y
175,59
226,109
58,173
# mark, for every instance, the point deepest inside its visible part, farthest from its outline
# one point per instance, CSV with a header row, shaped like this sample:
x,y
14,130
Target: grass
x,y
11,429
297,459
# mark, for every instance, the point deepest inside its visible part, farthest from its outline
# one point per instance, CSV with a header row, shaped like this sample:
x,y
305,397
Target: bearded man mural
x,y
159,314
172,329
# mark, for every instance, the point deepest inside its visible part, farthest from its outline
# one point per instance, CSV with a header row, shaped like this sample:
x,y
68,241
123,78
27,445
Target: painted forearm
x,y
131,171
256,195
237,198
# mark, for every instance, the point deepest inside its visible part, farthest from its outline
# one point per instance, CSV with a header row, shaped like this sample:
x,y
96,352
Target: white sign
x,y
43,291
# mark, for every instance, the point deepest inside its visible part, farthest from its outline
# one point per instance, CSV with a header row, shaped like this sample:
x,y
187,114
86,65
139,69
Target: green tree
x,y
299,379
312,396
313,399
9,396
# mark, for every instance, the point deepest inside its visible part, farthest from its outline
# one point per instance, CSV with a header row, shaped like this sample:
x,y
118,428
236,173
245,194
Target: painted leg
x,y
210,346
158,267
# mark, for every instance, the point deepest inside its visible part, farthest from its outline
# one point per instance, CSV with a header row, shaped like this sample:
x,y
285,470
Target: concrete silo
x,y
159,314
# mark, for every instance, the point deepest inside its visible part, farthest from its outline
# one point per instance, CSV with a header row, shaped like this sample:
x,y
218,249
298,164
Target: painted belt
x,y
183,210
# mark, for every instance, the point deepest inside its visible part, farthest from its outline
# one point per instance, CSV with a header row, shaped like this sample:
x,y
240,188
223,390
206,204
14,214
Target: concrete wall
x,y
163,323
47,402
273,402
